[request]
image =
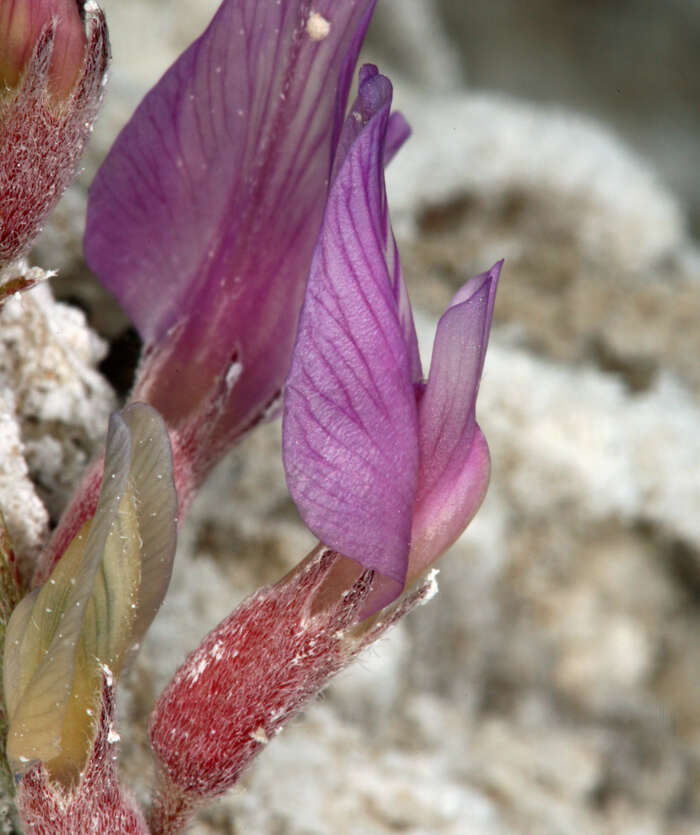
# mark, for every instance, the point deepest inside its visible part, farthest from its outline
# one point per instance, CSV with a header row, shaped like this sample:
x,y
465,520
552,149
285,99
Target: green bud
x,y
81,626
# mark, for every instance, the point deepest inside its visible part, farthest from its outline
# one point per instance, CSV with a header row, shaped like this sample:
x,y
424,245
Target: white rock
x,y
48,359
488,146
25,515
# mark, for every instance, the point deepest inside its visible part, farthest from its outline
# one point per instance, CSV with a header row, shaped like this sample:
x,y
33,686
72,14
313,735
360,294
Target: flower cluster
x,y
241,219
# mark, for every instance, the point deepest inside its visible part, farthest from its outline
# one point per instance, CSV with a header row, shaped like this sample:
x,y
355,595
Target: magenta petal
x,y
350,424
397,132
447,407
446,413
443,513
374,94
218,180
374,91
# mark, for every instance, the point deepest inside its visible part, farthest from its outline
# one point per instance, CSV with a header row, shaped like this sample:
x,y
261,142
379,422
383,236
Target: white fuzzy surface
x,y
577,441
48,359
471,143
25,515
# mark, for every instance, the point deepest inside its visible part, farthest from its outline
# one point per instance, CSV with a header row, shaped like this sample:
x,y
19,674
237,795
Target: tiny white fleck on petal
x,y
233,374
317,27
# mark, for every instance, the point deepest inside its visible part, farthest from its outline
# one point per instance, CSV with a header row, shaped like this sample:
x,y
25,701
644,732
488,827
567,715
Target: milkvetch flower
x,y
203,217
385,468
53,58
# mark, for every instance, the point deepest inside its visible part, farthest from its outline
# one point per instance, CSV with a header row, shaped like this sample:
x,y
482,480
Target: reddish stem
x,y
172,809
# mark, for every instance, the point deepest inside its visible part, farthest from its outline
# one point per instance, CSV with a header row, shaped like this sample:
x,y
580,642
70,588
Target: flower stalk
x,y
242,221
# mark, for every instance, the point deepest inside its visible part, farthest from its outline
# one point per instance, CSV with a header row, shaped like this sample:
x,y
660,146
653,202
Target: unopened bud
x,y
22,23
77,631
53,59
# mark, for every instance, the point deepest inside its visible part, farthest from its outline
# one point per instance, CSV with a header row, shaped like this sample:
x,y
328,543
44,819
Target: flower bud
x,y
83,625
22,23
52,67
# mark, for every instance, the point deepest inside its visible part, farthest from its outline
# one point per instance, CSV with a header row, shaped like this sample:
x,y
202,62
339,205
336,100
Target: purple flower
x,y
203,218
385,469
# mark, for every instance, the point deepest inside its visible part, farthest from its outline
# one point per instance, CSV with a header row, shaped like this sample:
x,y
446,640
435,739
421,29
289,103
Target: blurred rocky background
x,y
553,686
